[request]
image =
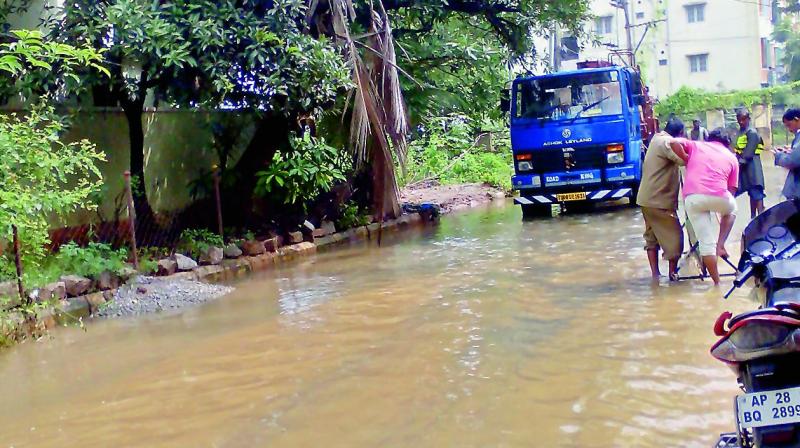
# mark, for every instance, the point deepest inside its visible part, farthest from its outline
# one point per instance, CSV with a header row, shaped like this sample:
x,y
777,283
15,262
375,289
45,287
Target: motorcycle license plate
x,y
564,197
769,408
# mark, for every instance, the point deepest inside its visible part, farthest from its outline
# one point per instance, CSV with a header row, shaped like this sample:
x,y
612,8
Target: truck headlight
x,y
524,166
615,157
615,153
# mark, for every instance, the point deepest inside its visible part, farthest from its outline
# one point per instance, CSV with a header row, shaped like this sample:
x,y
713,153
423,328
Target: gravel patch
x,y
147,295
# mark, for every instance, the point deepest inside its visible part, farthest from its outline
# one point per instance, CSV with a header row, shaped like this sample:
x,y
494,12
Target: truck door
x,y
634,144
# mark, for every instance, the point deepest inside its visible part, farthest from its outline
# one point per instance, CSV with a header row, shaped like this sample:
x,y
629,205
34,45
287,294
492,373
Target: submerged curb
x,y
82,306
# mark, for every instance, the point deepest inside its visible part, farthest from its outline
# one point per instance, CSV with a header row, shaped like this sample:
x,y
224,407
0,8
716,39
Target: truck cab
x,y
577,136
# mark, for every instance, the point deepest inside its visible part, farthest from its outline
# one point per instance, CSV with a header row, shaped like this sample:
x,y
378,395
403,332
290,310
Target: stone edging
x,y
82,306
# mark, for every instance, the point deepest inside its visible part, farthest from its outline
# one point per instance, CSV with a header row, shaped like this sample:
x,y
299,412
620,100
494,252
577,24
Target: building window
x,y
696,13
662,62
765,54
698,63
640,15
569,48
602,25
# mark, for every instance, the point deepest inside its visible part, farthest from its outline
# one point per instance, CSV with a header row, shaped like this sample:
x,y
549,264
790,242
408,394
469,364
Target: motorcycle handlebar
x,y
744,275
741,278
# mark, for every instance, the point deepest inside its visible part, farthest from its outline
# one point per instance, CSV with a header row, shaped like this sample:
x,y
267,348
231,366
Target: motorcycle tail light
x,y
759,335
757,339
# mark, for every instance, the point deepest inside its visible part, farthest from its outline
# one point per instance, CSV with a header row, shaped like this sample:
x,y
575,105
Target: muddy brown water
x,y
482,332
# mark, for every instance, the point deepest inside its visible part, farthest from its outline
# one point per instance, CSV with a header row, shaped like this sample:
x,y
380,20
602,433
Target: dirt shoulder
x,y
450,197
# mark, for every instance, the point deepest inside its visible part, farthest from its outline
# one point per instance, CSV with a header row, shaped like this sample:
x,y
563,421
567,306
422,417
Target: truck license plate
x,y
571,197
769,408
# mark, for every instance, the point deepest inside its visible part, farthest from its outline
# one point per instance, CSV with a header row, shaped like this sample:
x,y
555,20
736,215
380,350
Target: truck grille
x,y
552,160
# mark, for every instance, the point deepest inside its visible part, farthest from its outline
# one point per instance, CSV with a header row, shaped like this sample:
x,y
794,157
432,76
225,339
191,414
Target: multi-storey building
x,y
716,45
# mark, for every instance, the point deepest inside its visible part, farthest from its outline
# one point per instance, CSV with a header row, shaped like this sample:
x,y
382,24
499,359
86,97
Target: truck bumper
x,y
597,195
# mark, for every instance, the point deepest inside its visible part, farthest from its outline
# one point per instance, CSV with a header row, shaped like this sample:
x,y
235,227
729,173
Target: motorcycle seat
x,y
771,311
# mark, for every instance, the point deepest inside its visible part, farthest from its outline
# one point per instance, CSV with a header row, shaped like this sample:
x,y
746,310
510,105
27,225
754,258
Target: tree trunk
x,y
386,202
145,218
272,133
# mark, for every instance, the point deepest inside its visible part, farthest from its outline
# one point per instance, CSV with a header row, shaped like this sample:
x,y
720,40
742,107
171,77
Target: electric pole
x,y
623,4
556,49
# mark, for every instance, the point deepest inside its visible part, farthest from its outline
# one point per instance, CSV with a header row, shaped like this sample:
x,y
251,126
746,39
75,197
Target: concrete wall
x,y
178,147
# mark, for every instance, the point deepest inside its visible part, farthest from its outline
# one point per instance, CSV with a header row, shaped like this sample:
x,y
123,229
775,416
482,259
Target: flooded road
x,y
482,332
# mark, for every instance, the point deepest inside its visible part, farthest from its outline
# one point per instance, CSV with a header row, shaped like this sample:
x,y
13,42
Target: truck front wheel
x,y
634,195
531,211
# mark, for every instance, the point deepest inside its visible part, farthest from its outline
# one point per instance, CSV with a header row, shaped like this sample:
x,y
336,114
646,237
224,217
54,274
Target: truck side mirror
x,y
505,101
639,100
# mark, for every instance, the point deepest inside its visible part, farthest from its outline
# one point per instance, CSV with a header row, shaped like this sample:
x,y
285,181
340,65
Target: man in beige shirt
x,y
658,197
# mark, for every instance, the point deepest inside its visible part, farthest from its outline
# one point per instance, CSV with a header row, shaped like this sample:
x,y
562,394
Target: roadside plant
x,y
447,151
299,175
92,260
195,242
41,176
149,256
352,216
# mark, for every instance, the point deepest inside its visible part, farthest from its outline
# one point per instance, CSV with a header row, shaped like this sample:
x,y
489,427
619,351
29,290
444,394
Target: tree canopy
x,y
286,59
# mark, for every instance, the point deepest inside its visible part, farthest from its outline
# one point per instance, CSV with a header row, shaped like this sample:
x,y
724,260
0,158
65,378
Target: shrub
x,y
299,175
446,151
90,261
194,242
352,216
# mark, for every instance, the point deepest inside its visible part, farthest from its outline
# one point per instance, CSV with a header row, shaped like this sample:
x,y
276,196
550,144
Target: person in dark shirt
x,y
749,146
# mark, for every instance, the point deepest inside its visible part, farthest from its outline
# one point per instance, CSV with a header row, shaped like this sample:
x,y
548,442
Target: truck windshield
x,y
569,96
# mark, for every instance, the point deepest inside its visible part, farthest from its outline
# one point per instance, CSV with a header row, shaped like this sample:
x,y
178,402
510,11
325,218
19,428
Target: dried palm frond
x,y
378,122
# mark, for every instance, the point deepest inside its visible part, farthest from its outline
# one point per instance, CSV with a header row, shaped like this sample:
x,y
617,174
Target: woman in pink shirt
x,y
712,177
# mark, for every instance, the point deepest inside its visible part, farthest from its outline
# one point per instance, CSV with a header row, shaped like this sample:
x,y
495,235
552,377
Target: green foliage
x,y
149,256
486,167
40,274
41,176
36,65
299,175
780,135
194,242
687,101
786,33
457,69
448,152
21,321
460,53
352,216
90,261
248,55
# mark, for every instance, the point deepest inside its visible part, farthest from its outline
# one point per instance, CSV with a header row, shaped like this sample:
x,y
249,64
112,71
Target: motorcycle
x,y
762,347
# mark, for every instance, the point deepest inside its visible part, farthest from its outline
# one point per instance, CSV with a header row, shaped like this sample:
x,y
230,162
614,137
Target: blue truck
x,y
579,136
